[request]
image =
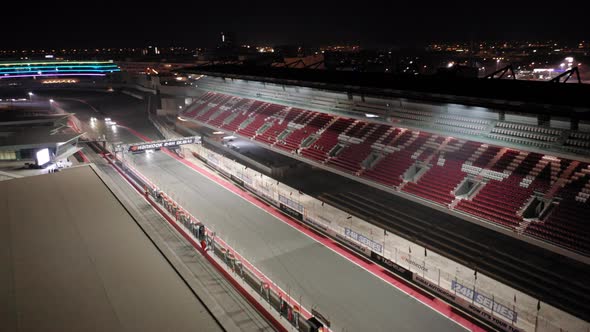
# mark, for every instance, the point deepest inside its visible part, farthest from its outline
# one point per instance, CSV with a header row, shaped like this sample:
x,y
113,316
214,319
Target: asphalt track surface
x,y
352,298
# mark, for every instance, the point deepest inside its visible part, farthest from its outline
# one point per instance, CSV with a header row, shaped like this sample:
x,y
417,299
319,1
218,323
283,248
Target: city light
x,y
60,81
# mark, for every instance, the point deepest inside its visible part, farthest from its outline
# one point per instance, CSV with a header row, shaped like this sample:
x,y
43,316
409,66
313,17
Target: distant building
x,y
227,40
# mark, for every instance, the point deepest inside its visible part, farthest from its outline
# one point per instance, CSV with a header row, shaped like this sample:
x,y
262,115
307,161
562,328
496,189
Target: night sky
x,y
312,23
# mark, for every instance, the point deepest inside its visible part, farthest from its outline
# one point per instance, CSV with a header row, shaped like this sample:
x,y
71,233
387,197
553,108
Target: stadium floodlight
x,y
51,100
42,157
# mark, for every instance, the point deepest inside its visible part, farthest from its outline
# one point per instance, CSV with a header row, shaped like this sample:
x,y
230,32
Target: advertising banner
x,y
159,144
392,266
363,240
484,301
295,214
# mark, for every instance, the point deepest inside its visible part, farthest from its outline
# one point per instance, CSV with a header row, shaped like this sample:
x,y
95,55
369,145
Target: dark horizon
x,y
372,25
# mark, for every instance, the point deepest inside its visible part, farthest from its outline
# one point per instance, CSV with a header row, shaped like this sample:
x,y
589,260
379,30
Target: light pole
x,y
30,96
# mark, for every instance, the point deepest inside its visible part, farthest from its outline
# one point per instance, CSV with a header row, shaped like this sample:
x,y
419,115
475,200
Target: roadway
x,y
352,298
224,302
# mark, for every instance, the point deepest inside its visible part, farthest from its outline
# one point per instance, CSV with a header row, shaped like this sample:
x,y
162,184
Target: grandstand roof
x,y
73,259
569,100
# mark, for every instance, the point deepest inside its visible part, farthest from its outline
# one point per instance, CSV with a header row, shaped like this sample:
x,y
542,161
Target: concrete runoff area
x,y
352,298
73,259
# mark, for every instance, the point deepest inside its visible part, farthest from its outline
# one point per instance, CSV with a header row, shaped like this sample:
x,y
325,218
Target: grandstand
x,y
494,183
495,163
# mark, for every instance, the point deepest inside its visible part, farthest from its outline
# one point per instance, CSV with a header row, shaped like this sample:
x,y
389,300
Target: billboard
x,y
159,144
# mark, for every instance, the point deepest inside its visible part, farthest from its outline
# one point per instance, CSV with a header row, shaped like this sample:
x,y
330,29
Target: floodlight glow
x,y
48,75
42,157
569,59
61,68
54,63
369,115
